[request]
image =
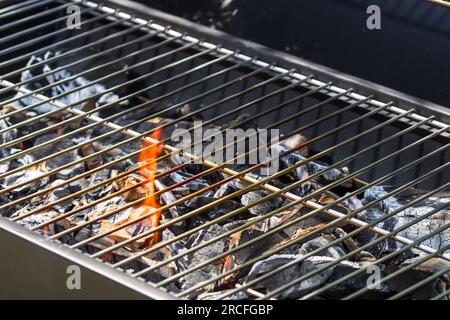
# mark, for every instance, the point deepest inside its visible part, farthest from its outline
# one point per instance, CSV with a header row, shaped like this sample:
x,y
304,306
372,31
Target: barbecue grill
x,y
80,109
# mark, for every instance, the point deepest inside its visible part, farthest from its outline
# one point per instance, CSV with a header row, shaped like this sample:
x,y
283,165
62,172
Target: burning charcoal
x,y
163,272
317,243
67,99
311,167
375,212
351,245
98,177
227,188
131,231
295,213
128,182
243,255
64,191
425,226
353,203
305,267
287,275
24,176
203,254
352,284
196,184
168,198
176,248
261,208
418,273
6,137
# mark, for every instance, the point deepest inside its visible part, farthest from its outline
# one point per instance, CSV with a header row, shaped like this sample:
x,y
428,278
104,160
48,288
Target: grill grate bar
x,y
16,6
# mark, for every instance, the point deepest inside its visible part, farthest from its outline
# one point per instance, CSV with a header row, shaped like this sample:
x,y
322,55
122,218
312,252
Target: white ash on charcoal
x,y
68,99
168,198
98,177
22,177
176,248
64,191
6,137
263,207
211,270
426,226
191,186
314,282
420,229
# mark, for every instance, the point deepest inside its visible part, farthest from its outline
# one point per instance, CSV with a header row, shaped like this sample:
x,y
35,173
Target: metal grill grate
x,y
147,64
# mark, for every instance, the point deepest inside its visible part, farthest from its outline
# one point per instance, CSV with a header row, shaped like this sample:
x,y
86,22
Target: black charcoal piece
x,y
227,188
283,277
261,208
22,177
203,254
319,242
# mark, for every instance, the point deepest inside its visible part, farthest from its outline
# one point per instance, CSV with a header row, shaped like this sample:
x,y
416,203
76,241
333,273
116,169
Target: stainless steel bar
x,y
320,209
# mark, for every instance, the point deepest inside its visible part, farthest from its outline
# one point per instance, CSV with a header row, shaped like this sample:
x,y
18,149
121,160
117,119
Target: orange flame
x,y
148,155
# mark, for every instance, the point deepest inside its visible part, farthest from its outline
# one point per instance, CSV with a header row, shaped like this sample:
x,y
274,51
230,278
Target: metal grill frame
x,y
425,109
